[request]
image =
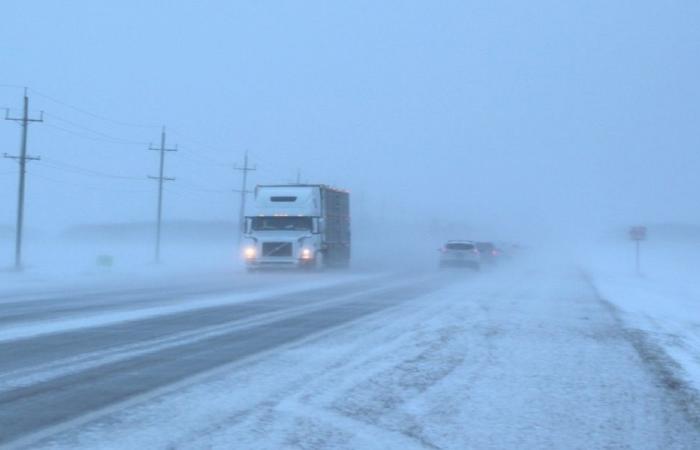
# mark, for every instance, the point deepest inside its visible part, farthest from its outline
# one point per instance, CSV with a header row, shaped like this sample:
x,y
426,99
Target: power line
x,y
199,187
83,171
91,114
116,140
161,178
88,137
83,186
22,158
201,159
200,144
11,86
199,192
199,197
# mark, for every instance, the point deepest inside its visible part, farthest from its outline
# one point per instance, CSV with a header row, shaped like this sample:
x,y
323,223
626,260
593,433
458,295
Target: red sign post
x,y
638,234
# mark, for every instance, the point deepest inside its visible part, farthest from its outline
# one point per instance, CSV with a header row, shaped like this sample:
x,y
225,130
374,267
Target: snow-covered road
x,y
514,357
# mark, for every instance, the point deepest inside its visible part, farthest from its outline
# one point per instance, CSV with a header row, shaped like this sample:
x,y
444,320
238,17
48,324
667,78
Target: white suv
x,y
460,254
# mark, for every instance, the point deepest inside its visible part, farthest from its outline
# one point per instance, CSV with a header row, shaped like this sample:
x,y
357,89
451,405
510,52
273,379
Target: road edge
x,y
666,371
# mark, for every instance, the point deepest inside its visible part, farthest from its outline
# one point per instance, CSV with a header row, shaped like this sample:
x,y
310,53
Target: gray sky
x,y
511,113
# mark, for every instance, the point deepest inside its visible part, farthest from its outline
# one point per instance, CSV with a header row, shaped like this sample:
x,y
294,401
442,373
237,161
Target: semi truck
x,y
297,226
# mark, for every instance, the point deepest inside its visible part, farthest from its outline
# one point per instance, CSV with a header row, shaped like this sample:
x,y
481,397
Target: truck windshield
x,y
282,223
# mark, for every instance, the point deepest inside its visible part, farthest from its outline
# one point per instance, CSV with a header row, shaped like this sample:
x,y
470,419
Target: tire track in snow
x,y
26,330
56,369
663,367
26,410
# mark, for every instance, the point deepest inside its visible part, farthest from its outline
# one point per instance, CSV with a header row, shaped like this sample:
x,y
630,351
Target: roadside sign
x,y
638,233
104,260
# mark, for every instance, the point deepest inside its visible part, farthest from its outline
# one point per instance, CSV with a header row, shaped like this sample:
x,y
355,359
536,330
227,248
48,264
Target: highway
x,y
71,359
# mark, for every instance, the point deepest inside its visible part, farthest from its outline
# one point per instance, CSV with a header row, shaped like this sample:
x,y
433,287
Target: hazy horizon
x,y
545,117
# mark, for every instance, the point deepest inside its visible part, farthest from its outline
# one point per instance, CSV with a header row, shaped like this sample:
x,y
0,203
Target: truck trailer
x,y
297,226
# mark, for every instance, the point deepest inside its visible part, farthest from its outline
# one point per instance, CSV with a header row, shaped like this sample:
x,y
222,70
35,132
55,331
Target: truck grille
x,y
277,249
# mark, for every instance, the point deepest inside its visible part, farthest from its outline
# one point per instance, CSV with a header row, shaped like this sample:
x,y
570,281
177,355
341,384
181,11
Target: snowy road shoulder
x,y
664,319
659,306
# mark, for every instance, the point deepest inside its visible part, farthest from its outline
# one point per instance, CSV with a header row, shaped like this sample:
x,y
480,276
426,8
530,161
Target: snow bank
x,y
663,301
58,263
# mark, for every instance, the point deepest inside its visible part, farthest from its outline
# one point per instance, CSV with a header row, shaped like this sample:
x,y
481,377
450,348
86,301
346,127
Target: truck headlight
x,y
249,252
306,253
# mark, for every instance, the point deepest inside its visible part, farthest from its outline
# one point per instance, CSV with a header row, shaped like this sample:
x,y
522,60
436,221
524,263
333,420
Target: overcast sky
x,y
548,113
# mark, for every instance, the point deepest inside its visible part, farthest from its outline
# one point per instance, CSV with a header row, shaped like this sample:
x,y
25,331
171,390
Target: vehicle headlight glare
x,y
249,252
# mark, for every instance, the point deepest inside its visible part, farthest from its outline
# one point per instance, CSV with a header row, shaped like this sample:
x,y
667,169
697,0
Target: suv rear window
x,y
459,246
484,246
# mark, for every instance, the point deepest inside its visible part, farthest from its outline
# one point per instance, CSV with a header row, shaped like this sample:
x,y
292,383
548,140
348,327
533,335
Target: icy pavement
x,y
515,359
85,317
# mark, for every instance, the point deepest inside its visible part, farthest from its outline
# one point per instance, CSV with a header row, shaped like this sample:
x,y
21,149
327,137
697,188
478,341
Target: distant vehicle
x,y
460,254
488,251
297,226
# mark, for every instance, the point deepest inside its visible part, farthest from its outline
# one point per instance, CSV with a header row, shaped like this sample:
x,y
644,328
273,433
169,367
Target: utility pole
x,y
23,158
298,176
161,178
244,192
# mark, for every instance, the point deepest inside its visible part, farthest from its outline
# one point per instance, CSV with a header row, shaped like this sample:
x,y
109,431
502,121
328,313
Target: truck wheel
x,y
319,261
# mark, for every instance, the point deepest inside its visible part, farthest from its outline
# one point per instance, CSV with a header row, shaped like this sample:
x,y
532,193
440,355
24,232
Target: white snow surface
x,y
528,359
663,301
59,264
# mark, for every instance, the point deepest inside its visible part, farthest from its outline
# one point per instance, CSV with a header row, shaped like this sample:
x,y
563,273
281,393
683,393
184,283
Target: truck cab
x,y
297,226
